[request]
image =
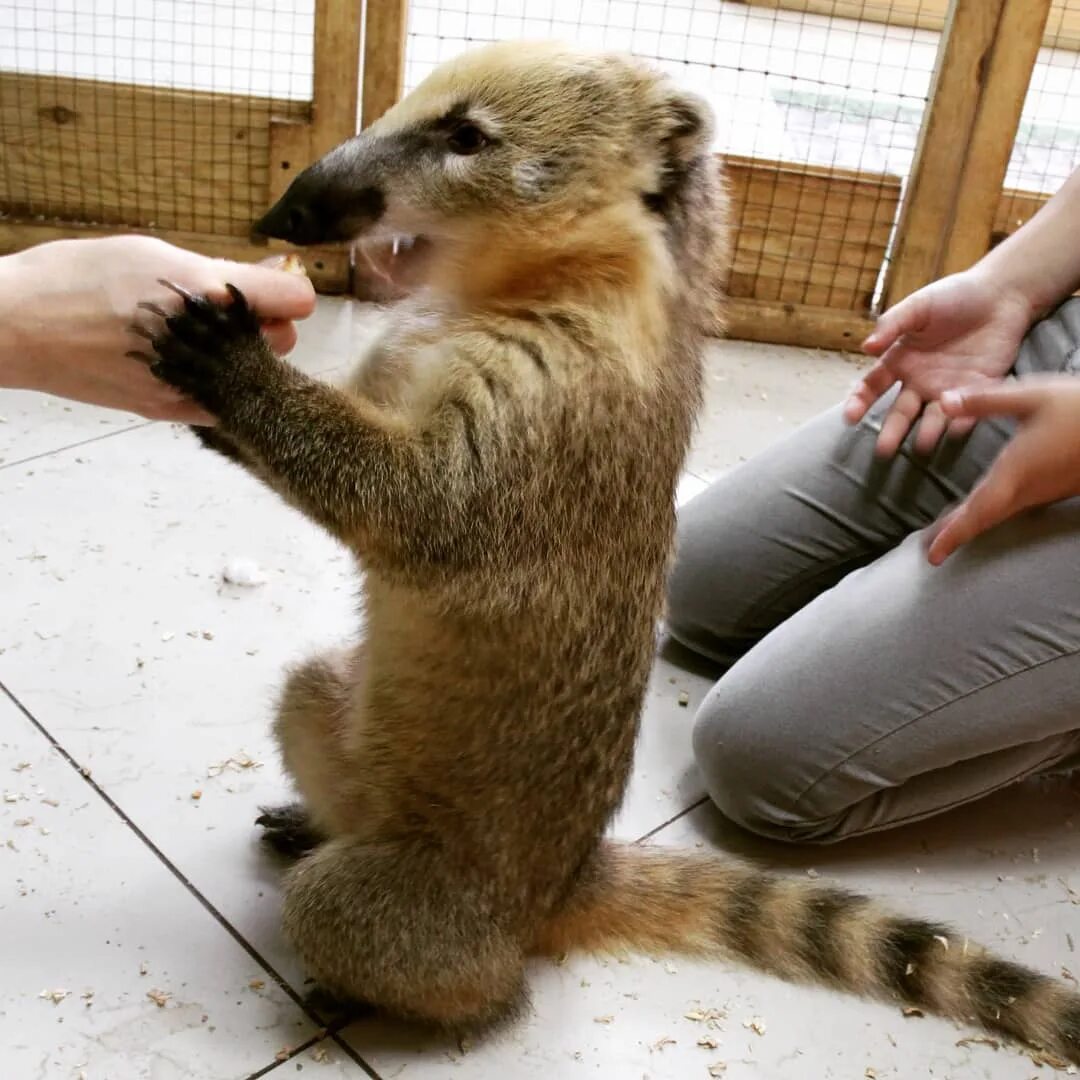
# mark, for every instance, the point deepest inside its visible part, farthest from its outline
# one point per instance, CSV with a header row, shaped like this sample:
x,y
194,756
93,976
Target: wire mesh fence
x,y
186,116
147,113
1047,148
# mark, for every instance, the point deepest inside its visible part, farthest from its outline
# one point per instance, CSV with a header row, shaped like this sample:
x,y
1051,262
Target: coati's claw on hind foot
x,y
288,830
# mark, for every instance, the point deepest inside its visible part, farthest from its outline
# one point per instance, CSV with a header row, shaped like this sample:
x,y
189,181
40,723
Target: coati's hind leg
x,y
313,715
388,925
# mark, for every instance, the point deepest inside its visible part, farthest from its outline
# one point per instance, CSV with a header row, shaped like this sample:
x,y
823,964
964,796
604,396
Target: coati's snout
x,y
327,203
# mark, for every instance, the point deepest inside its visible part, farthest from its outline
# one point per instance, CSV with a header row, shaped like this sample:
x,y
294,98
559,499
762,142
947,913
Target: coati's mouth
x,y
400,259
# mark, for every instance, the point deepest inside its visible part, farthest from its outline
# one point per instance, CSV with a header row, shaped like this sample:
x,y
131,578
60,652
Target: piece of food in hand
x,y
293,264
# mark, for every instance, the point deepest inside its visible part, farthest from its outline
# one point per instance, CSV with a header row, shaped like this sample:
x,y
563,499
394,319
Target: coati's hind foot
x,y
333,1006
389,924
288,831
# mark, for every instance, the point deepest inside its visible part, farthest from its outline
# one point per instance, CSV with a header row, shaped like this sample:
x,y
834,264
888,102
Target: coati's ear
x,y
684,124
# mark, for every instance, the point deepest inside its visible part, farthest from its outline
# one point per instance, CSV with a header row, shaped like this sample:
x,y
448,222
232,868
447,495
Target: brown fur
x,y
504,466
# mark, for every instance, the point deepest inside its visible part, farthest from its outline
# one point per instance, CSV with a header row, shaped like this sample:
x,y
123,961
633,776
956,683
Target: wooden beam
x,y
1007,75
335,109
933,189
328,270
796,324
384,57
1062,32
807,235
124,155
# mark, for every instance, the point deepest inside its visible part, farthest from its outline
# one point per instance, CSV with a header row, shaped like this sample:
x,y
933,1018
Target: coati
x,y
503,466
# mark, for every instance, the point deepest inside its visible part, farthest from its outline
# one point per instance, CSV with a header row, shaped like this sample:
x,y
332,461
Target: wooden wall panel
x,y
123,155
808,236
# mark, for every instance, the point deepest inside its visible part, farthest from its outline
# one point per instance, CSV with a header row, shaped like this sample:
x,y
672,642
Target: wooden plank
x,y
78,149
1062,30
796,324
290,153
335,110
1005,80
1063,26
933,190
384,57
807,235
328,270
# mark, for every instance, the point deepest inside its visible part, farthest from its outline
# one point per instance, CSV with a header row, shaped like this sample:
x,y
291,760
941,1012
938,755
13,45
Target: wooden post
x,y
966,138
334,118
335,108
1005,85
384,56
930,199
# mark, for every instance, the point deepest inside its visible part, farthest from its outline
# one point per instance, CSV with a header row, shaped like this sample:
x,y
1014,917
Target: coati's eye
x,y
467,138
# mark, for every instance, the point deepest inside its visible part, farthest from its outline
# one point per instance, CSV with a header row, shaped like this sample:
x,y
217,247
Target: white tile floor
x,y
138,923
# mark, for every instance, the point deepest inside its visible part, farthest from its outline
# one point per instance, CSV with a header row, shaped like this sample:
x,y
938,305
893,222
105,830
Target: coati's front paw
x,y
204,349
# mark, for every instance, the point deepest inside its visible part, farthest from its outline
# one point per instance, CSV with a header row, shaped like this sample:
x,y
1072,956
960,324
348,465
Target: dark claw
x,y
146,359
197,305
135,328
178,289
156,309
239,299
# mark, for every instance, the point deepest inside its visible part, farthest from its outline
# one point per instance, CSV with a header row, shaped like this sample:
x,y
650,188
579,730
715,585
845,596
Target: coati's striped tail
x,y
658,901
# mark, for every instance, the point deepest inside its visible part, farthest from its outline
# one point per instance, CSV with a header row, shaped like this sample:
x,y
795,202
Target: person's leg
x,y
774,533
905,690
784,735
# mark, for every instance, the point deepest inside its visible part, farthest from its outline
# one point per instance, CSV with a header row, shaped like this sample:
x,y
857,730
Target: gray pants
x,y
861,688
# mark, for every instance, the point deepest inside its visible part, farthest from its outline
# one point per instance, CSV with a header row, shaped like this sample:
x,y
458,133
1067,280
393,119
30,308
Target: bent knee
x,y
756,760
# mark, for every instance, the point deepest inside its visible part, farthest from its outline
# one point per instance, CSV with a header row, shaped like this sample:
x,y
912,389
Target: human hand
x,y
962,330
1039,465
66,311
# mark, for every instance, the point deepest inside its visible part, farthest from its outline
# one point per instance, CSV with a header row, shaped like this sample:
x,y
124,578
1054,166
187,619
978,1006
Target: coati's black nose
x,y
322,207
296,224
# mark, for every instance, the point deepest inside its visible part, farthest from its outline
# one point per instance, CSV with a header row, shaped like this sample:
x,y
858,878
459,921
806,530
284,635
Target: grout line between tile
x,y
296,998
295,1053
671,820
314,1041
75,445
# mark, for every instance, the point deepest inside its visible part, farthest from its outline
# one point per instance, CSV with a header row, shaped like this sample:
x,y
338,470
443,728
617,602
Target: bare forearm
x,y
1041,260
15,369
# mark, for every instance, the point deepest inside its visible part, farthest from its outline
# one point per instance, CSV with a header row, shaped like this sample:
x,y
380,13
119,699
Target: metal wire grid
x,y
1047,148
827,97
151,113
